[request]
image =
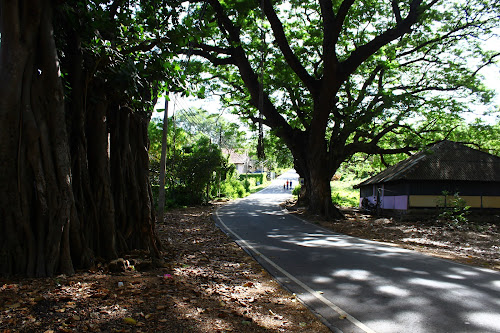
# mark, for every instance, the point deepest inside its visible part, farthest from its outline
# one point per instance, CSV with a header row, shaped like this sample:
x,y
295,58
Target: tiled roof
x,y
445,160
236,158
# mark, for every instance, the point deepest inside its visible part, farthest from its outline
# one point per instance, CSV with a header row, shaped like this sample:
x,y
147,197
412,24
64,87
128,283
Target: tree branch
x,y
449,34
396,11
212,48
300,113
290,57
363,52
145,46
489,62
273,118
339,19
216,61
113,8
368,82
371,148
332,27
328,28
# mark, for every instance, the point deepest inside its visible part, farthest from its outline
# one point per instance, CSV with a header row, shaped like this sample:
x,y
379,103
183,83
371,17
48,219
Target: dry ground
x,y
209,285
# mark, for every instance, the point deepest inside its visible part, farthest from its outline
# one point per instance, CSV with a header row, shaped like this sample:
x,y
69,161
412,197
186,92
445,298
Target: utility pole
x,y
163,158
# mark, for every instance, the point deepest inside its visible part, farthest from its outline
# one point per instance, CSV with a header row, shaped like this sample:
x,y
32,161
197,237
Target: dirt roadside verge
x,y
208,284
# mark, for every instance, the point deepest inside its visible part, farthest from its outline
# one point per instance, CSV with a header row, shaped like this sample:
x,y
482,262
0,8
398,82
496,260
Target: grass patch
x,y
343,193
256,188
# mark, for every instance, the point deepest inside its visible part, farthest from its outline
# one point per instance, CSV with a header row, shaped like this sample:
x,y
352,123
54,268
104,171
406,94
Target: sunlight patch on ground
x,y
487,320
464,272
322,279
353,274
434,284
413,322
425,241
454,276
394,291
322,241
496,283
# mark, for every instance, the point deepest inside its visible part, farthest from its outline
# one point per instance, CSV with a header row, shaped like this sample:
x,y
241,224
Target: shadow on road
x,y
388,289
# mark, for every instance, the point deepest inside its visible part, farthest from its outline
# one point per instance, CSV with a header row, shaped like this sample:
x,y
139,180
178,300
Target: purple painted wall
x,y
399,202
387,203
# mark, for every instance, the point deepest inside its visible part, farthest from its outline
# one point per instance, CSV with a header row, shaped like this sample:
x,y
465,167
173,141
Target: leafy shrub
x,y
455,211
296,190
257,177
232,188
246,184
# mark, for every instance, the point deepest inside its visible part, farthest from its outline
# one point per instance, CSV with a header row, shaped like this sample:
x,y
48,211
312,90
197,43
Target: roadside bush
x,y
232,188
246,185
296,190
455,211
257,177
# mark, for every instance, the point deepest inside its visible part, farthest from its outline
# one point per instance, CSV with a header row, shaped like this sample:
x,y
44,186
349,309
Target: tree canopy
x,y
336,78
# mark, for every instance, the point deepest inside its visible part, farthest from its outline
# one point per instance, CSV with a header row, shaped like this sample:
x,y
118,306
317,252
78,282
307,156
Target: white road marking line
x,y
327,302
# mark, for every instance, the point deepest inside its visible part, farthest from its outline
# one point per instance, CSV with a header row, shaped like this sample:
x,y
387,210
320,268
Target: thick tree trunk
x,y
312,164
66,196
133,199
99,170
85,226
36,201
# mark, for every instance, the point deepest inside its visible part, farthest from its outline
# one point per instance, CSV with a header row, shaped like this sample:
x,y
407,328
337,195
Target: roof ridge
x,y
445,160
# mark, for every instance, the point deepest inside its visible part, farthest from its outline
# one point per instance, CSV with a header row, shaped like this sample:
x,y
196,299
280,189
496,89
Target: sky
x,y
177,103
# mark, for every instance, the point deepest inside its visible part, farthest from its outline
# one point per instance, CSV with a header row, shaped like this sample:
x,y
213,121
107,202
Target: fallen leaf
x,y
130,321
248,284
71,305
342,317
275,315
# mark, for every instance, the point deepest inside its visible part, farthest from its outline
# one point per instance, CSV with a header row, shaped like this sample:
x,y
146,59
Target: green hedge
x,y
232,188
258,177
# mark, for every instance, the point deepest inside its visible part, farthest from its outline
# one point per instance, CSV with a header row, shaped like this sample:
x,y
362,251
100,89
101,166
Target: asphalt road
x,y
357,285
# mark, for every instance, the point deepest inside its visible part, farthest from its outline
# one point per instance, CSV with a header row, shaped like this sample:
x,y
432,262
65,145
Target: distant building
x,y
421,180
242,162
